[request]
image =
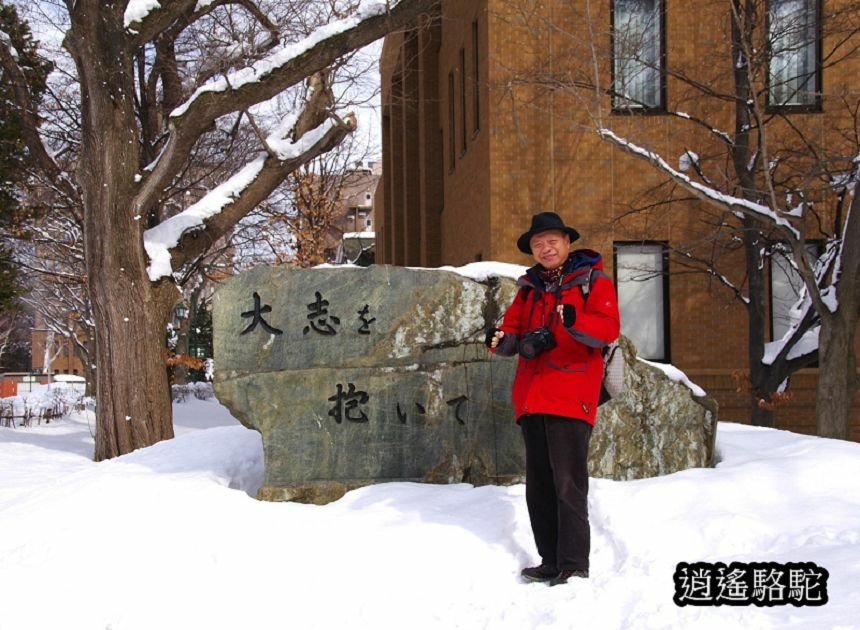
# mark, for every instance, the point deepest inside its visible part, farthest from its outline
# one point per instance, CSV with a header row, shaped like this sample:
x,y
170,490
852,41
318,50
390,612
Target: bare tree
x,y
146,109
8,322
49,248
784,181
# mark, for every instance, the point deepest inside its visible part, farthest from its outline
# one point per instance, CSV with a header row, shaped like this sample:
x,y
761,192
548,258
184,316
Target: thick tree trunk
x,y
132,393
837,377
837,373
133,406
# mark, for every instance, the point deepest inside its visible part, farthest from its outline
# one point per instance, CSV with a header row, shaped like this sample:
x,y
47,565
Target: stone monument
x,y
364,375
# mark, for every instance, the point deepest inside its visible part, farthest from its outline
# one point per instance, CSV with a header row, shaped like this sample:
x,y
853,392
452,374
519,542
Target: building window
x,y
476,83
786,286
637,51
452,129
641,272
463,100
793,79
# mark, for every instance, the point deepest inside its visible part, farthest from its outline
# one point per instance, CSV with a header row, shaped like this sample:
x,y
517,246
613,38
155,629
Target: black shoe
x,y
565,575
540,573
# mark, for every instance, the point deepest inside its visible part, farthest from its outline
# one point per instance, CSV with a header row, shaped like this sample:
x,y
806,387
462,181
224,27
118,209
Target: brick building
x,y
61,351
489,115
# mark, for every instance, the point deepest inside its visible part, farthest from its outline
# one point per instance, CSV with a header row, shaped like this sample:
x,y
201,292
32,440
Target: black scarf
x,y
552,277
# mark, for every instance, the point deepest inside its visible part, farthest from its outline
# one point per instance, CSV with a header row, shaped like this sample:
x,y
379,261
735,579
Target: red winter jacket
x,y
565,380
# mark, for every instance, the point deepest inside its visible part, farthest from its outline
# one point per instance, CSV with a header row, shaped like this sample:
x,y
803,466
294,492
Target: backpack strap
x,y
586,287
585,280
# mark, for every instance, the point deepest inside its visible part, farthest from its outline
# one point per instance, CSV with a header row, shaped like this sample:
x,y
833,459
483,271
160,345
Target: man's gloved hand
x,y
568,315
492,338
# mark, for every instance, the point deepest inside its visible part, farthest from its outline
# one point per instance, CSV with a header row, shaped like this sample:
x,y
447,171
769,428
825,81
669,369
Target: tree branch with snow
x,y
261,81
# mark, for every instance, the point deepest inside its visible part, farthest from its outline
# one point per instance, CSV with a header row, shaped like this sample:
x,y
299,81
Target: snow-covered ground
x,y
170,537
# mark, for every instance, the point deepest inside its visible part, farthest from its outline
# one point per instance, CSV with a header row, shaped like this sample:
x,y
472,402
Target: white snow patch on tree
x,y
137,10
160,239
807,344
727,201
267,65
687,160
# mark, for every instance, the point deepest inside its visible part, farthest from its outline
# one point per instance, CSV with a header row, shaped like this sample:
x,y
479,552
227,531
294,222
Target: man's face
x,y
550,248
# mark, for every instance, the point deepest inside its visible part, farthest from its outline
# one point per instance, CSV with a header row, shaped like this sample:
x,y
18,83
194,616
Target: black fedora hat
x,y
544,222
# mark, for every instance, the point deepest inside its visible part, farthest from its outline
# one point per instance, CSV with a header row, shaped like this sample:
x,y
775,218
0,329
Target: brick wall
x,y
797,414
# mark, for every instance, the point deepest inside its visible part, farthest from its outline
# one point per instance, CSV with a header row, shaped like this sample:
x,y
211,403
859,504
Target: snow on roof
x,y
68,378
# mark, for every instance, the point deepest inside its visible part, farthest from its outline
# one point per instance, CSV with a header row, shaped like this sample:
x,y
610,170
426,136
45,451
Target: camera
x,y
535,342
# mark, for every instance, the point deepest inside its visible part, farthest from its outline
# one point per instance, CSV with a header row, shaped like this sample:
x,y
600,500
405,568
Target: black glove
x,y
568,315
488,340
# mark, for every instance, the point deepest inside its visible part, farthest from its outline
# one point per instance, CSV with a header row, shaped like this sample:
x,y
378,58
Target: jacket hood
x,y
579,259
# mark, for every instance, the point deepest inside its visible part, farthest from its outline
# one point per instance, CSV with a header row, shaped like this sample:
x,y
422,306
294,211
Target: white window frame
x,y
794,73
642,280
637,54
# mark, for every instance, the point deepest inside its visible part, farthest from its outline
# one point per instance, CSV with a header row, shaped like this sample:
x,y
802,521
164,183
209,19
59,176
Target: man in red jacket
x,y
565,312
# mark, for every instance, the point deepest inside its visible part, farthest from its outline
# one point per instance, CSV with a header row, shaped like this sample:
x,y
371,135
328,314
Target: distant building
x,y
64,359
352,238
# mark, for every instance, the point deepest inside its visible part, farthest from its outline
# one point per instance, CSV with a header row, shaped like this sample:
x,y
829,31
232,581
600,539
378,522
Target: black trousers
x,y
557,488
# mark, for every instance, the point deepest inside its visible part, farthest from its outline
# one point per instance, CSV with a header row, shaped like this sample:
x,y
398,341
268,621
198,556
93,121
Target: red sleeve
x,y
599,323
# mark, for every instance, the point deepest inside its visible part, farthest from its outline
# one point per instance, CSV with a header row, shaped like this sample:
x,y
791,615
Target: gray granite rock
x,y
362,375
655,427
391,382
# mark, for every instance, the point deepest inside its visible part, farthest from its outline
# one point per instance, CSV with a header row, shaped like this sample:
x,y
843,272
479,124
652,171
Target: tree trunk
x,y
85,352
132,393
837,377
133,407
760,386
837,373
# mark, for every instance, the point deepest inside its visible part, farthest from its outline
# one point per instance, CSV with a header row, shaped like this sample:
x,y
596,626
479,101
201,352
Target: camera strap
x,y
556,292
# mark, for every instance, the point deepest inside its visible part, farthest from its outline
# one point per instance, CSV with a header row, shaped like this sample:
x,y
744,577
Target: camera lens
x,y
528,350
536,342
